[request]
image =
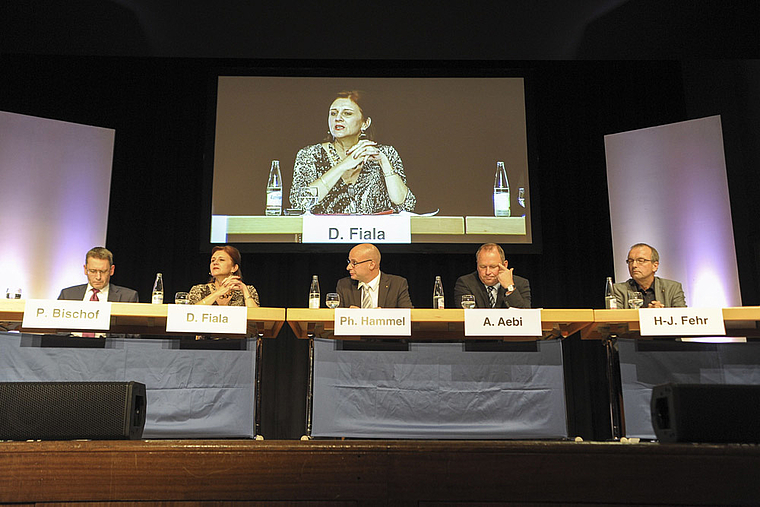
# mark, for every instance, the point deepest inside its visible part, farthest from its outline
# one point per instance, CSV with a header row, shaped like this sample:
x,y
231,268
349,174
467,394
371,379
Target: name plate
x,y
356,229
373,322
502,322
55,314
681,321
207,319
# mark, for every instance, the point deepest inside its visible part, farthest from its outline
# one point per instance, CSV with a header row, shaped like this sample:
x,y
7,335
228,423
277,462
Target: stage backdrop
x,y
56,181
668,188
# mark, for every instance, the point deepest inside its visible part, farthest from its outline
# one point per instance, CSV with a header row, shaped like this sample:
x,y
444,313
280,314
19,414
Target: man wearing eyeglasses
x,y
98,269
643,261
367,286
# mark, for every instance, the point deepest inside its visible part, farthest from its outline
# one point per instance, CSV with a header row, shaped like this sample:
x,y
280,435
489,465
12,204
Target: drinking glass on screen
x,y
308,197
332,300
468,301
181,298
635,300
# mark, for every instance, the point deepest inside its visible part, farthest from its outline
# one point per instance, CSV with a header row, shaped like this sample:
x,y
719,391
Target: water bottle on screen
x,y
314,292
158,290
274,190
438,294
609,295
501,192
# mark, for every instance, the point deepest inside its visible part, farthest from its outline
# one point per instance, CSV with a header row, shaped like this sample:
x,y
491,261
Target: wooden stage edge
x,y
378,472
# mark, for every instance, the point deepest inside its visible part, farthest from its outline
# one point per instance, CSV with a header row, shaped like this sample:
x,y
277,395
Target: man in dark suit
x,y
493,284
367,286
98,269
643,261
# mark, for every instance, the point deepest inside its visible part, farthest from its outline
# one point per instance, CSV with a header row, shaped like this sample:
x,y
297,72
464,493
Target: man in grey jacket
x,y
643,261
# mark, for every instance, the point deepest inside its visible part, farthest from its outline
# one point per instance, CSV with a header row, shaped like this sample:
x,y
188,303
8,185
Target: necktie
x,y
94,297
492,295
366,297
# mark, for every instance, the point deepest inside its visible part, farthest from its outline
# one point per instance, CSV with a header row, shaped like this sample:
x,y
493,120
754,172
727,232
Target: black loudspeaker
x,y
718,413
72,410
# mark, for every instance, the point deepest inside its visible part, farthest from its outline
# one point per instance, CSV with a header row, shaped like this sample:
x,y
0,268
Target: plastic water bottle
x,y
501,192
314,292
158,290
610,302
274,190
438,294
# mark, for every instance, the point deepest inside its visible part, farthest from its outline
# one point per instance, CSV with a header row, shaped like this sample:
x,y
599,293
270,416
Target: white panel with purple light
x,y
668,188
56,181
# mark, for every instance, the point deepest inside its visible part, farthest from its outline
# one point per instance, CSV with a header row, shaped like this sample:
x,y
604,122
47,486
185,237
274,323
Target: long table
x,y
448,324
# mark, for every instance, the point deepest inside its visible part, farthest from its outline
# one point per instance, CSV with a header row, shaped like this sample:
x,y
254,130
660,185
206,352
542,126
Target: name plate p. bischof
x,y
57,314
681,322
356,229
207,319
373,322
502,322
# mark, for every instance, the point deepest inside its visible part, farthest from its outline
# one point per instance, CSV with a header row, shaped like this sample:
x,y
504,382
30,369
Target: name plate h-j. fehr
x,y
207,319
373,322
356,229
57,314
502,322
681,322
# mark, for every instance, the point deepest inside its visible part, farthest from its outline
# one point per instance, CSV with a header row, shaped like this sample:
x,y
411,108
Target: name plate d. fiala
x,y
502,322
681,322
55,314
207,319
373,322
356,229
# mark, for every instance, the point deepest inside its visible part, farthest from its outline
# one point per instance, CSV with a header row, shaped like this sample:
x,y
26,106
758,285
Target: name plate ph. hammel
x,y
502,322
681,322
356,229
373,322
56,314
207,319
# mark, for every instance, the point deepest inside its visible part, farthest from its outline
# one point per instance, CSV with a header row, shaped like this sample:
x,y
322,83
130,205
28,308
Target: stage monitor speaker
x,y
72,410
717,413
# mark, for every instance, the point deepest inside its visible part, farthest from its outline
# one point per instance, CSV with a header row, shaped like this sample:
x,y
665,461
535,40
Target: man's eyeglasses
x,y
355,263
94,272
637,261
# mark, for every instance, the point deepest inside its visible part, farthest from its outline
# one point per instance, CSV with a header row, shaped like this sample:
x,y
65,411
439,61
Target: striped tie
x,y
366,297
492,295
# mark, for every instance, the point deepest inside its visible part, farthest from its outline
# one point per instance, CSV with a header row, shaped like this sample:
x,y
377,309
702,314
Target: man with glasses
x,y
367,286
493,284
99,269
643,261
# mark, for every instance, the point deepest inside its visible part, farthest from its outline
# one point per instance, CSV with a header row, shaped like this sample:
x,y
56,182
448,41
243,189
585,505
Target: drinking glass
x,y
181,298
308,197
635,300
12,294
468,301
332,300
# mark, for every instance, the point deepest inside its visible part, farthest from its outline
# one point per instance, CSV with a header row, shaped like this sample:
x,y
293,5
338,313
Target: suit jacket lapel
x,y
356,294
382,291
501,298
659,291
